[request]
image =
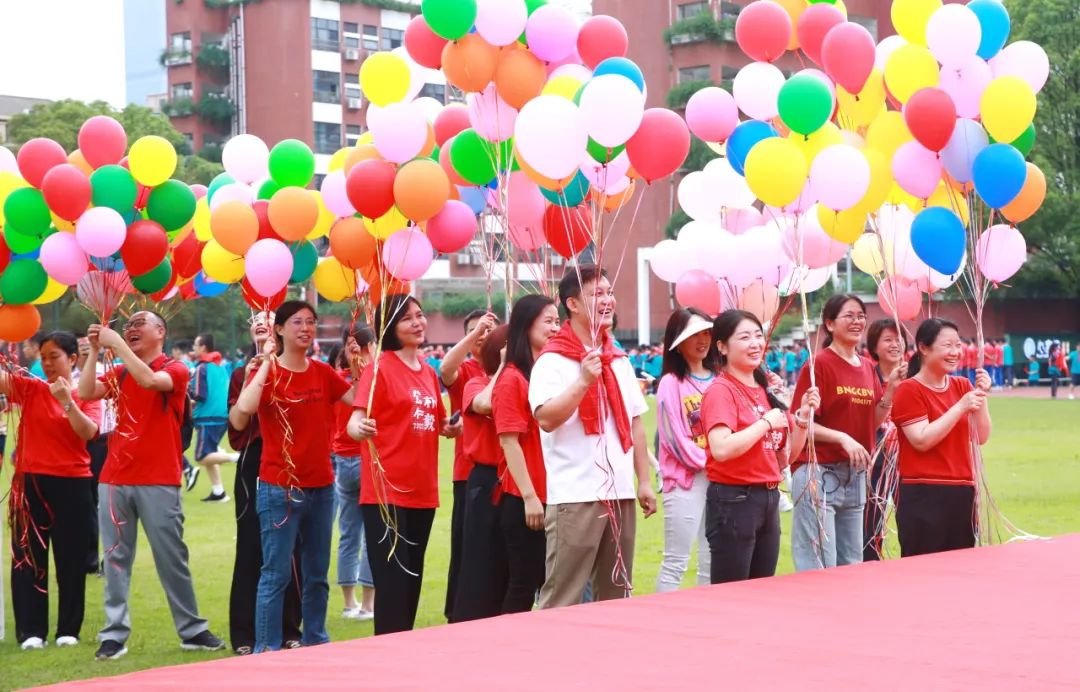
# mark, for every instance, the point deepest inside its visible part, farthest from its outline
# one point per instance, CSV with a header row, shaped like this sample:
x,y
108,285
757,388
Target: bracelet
x,y
768,424
801,422
884,404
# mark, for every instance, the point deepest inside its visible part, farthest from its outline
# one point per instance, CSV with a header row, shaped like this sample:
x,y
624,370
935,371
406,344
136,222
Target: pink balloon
x,y
233,192
612,107
268,265
965,83
738,221
570,68
840,176
847,53
63,259
8,164
756,88
100,231
999,253
551,32
491,117
697,289
500,22
199,190
667,261
805,242
763,30
407,254
601,175
528,238
400,132
452,228
334,195
917,169
246,158
525,201
711,114
901,297
814,25
761,299
1023,59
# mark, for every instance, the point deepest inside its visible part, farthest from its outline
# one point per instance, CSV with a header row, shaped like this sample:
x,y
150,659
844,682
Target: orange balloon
x,y
760,299
448,168
429,145
519,77
794,8
542,181
351,244
469,63
361,152
455,194
293,213
77,159
421,189
235,226
613,202
1030,198
18,322
394,288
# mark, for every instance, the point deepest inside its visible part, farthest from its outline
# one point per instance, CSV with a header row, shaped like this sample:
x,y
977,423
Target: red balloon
x,y
814,24
261,208
699,289
930,115
187,291
602,37
258,302
67,191
145,246
102,141
449,122
568,229
5,253
422,44
901,297
660,144
370,187
37,157
164,293
447,166
143,195
847,53
763,30
187,257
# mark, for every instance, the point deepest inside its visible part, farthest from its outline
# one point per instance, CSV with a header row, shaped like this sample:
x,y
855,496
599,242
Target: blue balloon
x,y
32,255
938,238
207,288
743,139
624,67
999,173
572,195
111,263
474,197
995,23
958,156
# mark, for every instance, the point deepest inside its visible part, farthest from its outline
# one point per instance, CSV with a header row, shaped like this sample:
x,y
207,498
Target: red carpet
x,y
995,618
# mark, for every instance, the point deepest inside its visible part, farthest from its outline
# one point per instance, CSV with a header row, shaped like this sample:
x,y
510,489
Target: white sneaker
x,y
785,502
358,614
66,641
32,643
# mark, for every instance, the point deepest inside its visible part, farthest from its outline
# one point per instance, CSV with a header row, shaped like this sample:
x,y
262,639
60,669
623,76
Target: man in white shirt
x,y
588,404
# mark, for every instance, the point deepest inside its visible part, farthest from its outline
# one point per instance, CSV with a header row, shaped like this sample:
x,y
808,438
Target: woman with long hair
x,y
827,522
751,436
399,485
533,321
691,362
50,501
939,415
294,397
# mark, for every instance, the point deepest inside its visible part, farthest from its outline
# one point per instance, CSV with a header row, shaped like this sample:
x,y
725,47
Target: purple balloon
x,y
958,156
551,32
916,169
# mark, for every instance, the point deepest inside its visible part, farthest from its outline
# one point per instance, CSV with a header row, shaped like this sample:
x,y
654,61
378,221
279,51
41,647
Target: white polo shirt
x,y
580,467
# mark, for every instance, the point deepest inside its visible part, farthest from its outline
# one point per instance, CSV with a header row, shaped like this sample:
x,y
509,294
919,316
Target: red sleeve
x,y
803,383
719,408
908,404
179,374
92,410
363,389
474,387
236,384
335,383
454,391
509,401
21,388
438,396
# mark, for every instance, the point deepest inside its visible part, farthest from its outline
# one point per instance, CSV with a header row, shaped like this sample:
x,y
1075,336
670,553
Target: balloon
x,y
171,204
421,189
568,230
407,254
601,37
500,22
246,158
152,160
660,145
667,261
840,176
804,104
333,281
220,180
887,133
18,322
63,259
519,77
1000,252
525,204
304,259
807,244
999,173
756,89
900,297
1026,141
37,157
917,169
866,254
145,246
847,53
909,69
469,64
728,188
813,25
76,159
53,290
938,238
187,256
550,135
958,156
931,117
910,18
622,67
221,265
965,83
743,139
8,164
697,289
1023,59
102,141
711,114
206,287
450,19
450,121
291,161
776,171
293,213
810,145
473,158
763,30
452,228
696,197
423,44
994,23
351,244
491,116
862,108
235,227
386,224
26,212
267,189
761,300
953,34
1030,198
335,196
100,231
551,32
370,187
384,78
1007,108
233,192
611,108
154,280
268,265
23,281
400,132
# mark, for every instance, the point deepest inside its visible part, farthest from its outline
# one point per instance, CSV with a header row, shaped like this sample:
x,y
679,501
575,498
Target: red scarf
x,y
212,357
567,344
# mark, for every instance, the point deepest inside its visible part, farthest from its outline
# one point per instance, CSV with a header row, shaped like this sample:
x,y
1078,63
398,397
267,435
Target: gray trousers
x,y
120,509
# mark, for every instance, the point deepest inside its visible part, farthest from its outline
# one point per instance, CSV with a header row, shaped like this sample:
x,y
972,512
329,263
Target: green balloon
x,y
20,244
602,154
450,19
171,204
267,189
435,153
805,104
26,212
220,180
155,279
292,163
572,195
23,282
1026,142
473,157
533,5
112,186
305,257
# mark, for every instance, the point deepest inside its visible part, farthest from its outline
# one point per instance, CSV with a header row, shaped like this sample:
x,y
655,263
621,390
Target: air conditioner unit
x,y
354,102
464,258
352,54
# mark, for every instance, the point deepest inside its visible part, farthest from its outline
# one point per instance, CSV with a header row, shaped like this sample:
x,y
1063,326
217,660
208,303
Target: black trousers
x,y
482,579
99,450
526,554
742,524
934,518
457,526
247,565
58,510
873,513
397,563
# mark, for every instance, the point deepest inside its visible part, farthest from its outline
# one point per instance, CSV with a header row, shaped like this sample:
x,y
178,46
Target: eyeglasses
x,y
135,324
853,317
300,322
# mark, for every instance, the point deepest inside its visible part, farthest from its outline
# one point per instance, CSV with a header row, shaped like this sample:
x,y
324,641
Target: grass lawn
x,y
1033,459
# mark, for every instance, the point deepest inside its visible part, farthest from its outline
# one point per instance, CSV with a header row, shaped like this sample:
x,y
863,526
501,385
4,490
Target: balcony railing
x,y
327,96
173,57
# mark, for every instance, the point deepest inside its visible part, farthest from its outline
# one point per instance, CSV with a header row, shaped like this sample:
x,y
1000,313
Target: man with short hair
x,y
141,479
588,405
209,390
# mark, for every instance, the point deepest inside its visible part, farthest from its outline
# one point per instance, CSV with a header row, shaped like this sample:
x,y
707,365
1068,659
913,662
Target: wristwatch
x,y
68,406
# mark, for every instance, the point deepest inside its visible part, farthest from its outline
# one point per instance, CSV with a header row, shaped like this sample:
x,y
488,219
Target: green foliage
x,y
677,221
178,108
702,27
461,304
395,5
681,93
199,169
211,151
61,120
215,108
174,57
213,57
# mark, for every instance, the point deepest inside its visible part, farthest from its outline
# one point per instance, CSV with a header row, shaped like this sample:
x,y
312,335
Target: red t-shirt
x,y
145,447
950,461
343,445
300,403
47,443
990,352
849,397
240,439
734,405
409,412
468,370
481,441
971,355
510,407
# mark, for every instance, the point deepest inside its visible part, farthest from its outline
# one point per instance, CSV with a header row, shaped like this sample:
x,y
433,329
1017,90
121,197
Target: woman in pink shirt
x,y
690,364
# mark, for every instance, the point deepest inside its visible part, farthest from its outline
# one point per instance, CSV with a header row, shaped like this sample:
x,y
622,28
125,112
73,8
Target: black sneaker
x,y
216,497
203,641
191,475
109,650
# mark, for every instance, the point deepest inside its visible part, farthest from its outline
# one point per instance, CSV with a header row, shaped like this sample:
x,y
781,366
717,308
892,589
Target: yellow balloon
x,y
221,265
910,18
861,109
201,220
1007,108
909,69
840,5
384,78
53,290
948,198
844,226
776,171
901,198
384,226
62,224
887,133
881,181
826,136
334,281
794,8
565,86
9,182
152,160
77,159
177,237
866,254
719,147
326,218
366,138
337,161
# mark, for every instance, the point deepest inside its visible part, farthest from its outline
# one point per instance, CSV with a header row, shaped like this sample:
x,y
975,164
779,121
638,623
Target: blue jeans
x,y
353,565
286,515
827,532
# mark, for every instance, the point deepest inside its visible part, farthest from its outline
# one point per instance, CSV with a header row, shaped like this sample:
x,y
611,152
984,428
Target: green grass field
x,y
1033,460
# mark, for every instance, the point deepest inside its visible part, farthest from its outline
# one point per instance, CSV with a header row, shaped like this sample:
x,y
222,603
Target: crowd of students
x,y
552,463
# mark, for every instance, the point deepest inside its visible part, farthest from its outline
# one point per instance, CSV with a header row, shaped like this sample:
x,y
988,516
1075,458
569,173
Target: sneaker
x,y
358,614
785,502
292,644
203,641
191,475
216,497
67,641
32,643
110,650
243,651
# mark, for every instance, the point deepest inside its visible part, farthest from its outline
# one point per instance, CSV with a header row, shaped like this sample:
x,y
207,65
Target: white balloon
x,y
756,88
666,261
430,107
501,22
245,157
953,33
612,107
697,199
805,279
729,188
1023,59
885,48
8,162
543,122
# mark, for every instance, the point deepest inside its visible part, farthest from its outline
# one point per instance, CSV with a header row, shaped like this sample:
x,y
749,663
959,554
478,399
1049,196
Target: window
x,y
352,42
325,86
324,34
868,23
693,9
189,143
319,177
352,85
180,43
727,76
699,73
183,90
729,10
392,38
352,133
352,28
327,138
371,37
435,91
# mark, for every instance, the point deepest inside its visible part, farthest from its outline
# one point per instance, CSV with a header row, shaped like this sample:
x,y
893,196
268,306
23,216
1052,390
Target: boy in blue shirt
x,y
209,390
1074,371
1033,371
